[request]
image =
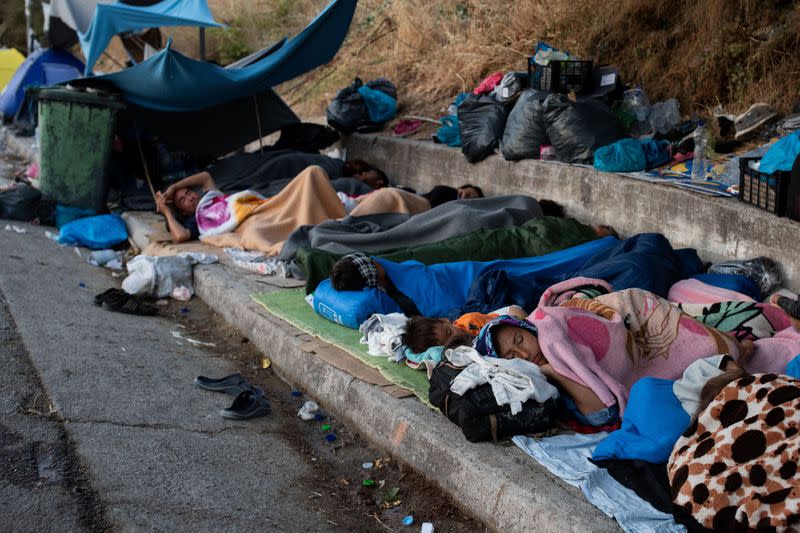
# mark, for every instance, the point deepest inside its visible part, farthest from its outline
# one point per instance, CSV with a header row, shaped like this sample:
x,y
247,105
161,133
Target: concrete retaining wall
x,y
719,228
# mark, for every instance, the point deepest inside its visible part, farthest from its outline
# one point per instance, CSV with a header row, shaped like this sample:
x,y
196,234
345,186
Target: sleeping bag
x,y
437,289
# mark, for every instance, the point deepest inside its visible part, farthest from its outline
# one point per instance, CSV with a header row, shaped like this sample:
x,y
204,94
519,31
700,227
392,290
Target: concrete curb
x,y
502,487
719,228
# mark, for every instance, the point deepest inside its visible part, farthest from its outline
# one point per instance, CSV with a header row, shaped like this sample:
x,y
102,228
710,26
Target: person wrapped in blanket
x,y
594,344
251,221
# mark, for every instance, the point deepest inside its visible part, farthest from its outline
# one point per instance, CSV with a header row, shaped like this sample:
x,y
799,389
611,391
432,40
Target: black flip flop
x,y
129,304
792,307
233,385
246,405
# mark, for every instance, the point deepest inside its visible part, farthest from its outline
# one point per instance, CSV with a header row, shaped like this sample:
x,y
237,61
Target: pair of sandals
x,y
249,402
120,301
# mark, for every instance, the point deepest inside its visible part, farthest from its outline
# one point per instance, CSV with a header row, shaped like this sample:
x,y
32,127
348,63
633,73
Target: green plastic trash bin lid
x,y
76,131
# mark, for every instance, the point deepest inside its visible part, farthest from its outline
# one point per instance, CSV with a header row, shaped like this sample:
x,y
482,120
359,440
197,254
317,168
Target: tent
x,y
112,19
170,81
43,67
10,60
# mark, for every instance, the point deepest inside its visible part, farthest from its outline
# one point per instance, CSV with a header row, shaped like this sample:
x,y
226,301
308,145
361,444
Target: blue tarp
x,y
43,67
111,19
170,81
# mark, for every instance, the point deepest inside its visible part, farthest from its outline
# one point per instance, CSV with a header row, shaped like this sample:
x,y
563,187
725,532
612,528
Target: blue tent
x,y
170,81
43,67
111,19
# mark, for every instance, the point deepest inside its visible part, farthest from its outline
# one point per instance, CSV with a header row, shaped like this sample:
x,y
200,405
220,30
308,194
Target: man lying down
x,y
195,208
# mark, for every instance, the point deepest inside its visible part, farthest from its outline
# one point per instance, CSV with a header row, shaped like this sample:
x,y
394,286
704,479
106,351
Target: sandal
x,y
123,302
791,307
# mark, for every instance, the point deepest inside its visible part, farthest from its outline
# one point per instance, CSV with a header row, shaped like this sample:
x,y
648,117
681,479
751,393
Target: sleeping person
x,y
595,349
248,220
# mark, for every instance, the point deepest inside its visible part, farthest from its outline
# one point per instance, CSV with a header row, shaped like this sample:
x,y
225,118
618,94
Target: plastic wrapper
x,y
765,272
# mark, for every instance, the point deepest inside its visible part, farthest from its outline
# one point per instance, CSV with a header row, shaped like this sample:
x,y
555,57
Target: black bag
x,y
20,203
525,131
481,120
348,110
577,129
477,412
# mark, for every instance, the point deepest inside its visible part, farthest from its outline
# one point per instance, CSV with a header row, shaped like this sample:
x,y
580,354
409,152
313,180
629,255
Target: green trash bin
x,y
76,131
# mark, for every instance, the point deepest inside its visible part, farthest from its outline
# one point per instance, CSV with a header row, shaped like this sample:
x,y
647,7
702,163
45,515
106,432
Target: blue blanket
x,y
170,81
645,261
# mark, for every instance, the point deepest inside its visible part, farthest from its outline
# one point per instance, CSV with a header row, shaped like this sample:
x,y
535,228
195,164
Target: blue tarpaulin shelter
x,y
170,81
111,19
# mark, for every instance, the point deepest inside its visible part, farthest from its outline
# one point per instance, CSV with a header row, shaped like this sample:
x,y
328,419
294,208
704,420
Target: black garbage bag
x,y
477,412
20,203
577,129
525,130
348,111
481,120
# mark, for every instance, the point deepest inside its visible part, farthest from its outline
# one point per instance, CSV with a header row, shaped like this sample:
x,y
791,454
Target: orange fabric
x,y
308,199
390,200
473,322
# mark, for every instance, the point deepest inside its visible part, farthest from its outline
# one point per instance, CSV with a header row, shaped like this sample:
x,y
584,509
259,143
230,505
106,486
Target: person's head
x,y
354,272
510,338
186,200
441,194
551,208
363,171
423,333
732,372
465,192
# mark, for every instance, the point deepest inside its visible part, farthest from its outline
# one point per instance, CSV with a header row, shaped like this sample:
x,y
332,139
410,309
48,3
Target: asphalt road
x,y
101,427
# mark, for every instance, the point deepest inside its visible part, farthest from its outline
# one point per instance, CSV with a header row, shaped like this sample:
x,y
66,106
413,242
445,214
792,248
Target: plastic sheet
x,y
762,270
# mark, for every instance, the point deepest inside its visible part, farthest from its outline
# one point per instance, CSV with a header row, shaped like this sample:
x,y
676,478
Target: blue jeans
x,y
603,417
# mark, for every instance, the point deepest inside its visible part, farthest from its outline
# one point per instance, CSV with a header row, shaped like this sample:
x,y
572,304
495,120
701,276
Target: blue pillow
x,y
732,282
351,308
651,425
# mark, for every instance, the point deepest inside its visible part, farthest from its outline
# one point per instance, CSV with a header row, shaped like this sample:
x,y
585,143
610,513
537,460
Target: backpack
x,y
477,412
349,111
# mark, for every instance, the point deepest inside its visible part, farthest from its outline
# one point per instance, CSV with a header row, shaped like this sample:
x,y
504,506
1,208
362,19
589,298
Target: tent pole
x,y
202,44
258,123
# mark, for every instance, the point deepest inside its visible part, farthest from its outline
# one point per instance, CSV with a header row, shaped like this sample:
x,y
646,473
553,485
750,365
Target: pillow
x,y
351,308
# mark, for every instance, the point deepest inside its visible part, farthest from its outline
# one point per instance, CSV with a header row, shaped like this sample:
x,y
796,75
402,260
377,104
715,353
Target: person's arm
x,y
176,229
202,180
585,398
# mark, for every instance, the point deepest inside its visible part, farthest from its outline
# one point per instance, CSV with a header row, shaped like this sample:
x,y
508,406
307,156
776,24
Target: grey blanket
x,y
380,232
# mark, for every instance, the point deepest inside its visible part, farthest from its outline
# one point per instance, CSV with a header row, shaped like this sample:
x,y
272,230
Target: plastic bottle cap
x,y
330,437
326,427
408,520
319,416
296,393
368,482
366,466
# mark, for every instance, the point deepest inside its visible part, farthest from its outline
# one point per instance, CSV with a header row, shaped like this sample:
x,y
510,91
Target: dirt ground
x,y
337,486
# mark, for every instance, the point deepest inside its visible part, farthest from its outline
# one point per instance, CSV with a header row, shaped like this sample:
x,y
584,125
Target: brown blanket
x,y
308,199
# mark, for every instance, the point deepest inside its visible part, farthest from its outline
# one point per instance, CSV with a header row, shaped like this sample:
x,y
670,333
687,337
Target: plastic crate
x,y
562,76
767,191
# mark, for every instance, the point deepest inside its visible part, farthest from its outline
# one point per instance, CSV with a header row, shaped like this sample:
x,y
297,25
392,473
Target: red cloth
x,y
577,427
488,84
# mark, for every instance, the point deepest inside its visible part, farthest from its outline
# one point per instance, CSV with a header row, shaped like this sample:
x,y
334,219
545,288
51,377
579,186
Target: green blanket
x,y
536,237
291,306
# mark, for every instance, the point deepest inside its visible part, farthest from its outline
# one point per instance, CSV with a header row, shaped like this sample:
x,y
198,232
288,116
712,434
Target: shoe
x,y
752,119
100,298
246,405
122,302
233,385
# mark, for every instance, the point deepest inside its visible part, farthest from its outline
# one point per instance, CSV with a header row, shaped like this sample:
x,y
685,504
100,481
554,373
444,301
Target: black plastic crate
x,y
562,76
767,191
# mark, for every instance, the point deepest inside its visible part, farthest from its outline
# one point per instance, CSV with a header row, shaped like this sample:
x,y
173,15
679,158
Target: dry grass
x,y
703,52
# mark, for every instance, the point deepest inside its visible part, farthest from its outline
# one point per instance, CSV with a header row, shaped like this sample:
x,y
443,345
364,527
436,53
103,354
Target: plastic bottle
x,y
699,162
